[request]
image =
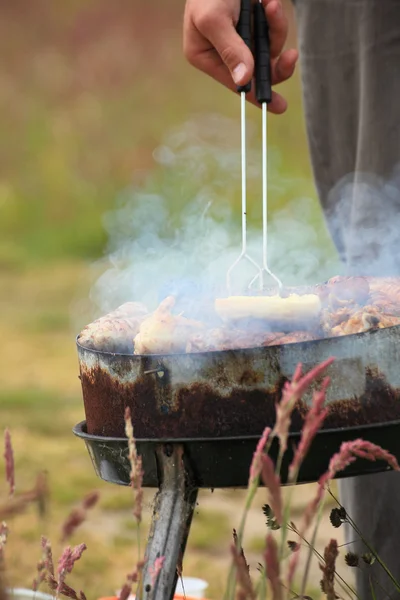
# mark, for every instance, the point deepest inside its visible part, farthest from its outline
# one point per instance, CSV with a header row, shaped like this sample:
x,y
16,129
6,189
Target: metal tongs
x,y
264,97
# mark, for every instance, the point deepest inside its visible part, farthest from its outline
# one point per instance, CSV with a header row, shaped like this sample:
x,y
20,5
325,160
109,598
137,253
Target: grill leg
x,y
172,516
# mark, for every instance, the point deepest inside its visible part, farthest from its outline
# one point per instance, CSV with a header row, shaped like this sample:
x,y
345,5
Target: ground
x,y
88,90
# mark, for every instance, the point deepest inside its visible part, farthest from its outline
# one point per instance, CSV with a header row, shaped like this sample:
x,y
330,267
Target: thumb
x,y
221,33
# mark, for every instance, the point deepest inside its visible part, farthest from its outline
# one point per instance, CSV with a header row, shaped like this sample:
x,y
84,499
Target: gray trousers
x,y
350,67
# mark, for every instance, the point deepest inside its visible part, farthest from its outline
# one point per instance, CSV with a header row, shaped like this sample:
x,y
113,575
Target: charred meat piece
x,y
386,295
115,331
225,338
162,332
363,320
295,337
348,290
332,318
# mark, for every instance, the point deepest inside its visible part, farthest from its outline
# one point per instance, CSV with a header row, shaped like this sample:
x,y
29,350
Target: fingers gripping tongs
x,y
261,52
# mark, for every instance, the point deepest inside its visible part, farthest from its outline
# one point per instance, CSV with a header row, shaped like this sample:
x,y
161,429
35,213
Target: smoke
x,y
181,230
365,222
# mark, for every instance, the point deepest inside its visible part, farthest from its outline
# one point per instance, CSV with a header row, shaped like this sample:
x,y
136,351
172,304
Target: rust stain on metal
x,y
201,409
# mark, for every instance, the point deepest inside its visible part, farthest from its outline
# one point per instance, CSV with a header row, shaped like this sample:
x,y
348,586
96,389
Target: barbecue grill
x,y
197,419
198,416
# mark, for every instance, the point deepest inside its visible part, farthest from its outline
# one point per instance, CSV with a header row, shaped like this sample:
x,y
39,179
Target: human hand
x,y
212,45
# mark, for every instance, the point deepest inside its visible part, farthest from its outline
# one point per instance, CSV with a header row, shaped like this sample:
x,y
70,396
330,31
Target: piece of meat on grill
x,y
114,332
340,291
385,295
365,319
385,304
385,285
225,338
332,318
295,337
162,332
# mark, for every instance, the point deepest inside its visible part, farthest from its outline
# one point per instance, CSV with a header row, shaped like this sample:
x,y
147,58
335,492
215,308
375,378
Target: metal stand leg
x,y
172,516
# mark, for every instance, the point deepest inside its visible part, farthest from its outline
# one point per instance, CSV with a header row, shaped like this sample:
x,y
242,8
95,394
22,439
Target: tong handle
x,y
262,56
244,30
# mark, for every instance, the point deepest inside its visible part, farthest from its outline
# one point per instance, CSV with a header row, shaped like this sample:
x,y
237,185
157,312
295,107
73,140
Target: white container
x,y
24,594
192,587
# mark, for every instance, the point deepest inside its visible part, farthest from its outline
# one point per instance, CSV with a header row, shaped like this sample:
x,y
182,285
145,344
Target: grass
x,y
87,100
209,531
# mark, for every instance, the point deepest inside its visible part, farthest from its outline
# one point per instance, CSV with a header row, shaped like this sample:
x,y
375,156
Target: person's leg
x,y
350,66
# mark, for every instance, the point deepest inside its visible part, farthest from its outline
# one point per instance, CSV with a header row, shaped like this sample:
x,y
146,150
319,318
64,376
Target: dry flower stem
x,y
328,570
9,462
341,582
272,567
273,483
47,556
261,587
256,463
65,565
263,446
312,545
69,557
370,548
313,423
131,578
292,394
242,574
348,453
78,515
339,461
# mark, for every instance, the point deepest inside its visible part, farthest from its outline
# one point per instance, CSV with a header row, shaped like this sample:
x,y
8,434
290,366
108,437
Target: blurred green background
x,y
88,90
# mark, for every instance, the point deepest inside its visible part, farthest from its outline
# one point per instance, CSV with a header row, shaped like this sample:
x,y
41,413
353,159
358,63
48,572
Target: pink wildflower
x,y
41,575
313,422
246,589
131,578
348,453
69,558
125,592
292,393
256,463
78,515
156,569
273,483
65,566
272,567
9,460
48,555
69,592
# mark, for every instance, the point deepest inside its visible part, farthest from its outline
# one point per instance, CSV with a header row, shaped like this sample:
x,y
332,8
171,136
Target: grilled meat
x,y
115,331
365,319
344,305
293,338
162,332
225,338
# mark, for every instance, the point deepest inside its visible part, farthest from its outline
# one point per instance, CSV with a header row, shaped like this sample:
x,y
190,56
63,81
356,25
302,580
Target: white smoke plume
x,y
365,219
181,230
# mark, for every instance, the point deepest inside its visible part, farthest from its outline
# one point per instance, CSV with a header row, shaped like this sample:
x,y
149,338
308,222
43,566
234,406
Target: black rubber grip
x,y
262,57
244,30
